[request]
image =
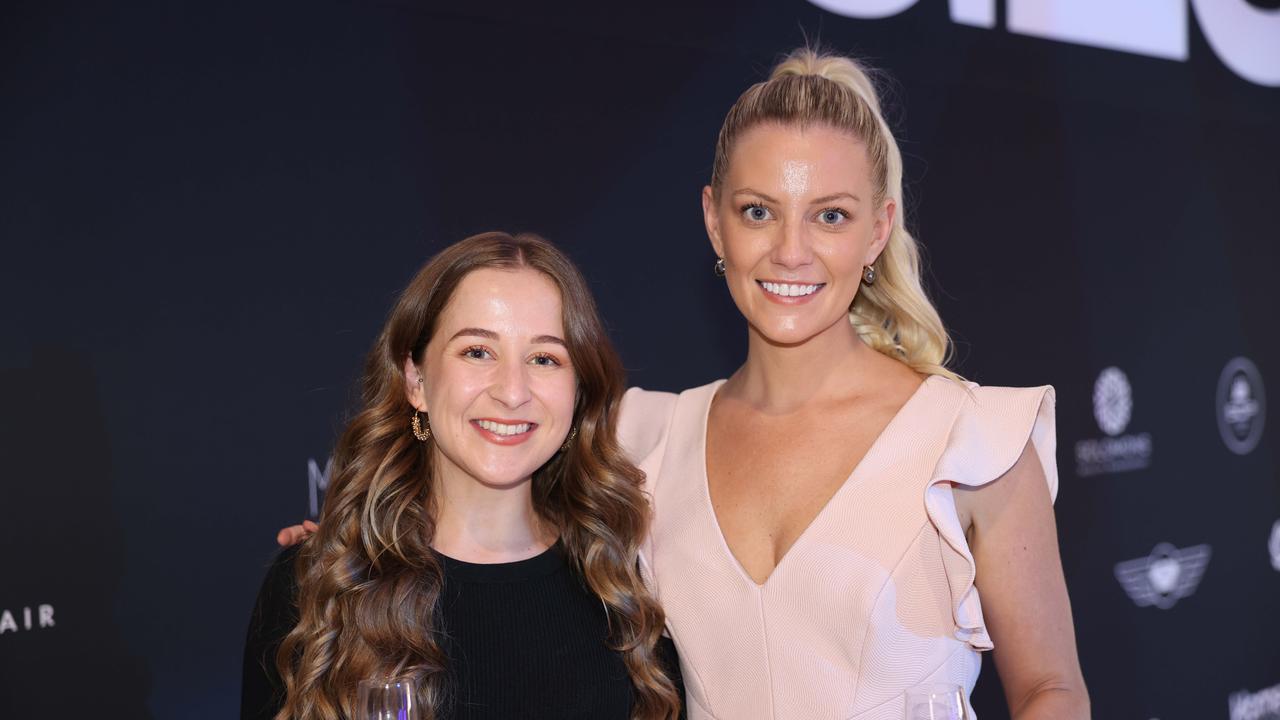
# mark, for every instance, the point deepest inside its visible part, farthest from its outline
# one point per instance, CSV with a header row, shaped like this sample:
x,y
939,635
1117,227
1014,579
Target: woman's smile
x,y
790,293
504,432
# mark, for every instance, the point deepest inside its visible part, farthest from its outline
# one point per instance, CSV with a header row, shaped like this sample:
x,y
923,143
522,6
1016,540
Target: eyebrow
x,y
491,335
824,199
836,196
757,193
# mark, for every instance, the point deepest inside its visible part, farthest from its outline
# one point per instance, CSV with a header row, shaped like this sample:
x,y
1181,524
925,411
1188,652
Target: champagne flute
x,y
936,701
386,699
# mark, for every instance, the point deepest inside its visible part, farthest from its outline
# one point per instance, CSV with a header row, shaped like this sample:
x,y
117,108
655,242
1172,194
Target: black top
x,y
525,639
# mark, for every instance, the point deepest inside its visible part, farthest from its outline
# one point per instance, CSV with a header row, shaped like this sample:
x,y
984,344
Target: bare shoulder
x,y
1021,489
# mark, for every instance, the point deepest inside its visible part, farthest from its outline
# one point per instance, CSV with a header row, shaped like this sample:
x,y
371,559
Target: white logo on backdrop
x,y
1242,406
1165,576
1273,545
1242,36
27,619
1112,401
1261,705
1113,409
317,483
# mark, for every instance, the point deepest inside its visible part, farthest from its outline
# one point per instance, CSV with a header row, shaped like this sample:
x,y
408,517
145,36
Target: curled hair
x,y
369,585
808,88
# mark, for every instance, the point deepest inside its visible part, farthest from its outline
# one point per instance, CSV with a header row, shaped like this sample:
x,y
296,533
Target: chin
x,y
506,475
789,330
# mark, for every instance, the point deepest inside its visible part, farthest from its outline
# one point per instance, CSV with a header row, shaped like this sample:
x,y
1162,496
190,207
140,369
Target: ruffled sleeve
x,y
987,437
643,422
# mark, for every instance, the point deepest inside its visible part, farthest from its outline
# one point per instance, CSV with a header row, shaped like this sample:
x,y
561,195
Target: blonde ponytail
x,y
894,315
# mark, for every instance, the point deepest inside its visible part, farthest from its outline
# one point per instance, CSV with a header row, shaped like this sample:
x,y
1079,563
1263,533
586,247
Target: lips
x,y
501,431
789,292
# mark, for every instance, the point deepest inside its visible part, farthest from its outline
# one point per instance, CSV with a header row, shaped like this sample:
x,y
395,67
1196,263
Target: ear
x,y
881,230
413,389
711,218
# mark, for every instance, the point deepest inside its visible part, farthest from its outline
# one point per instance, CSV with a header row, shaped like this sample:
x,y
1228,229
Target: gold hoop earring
x,y
869,274
415,424
569,440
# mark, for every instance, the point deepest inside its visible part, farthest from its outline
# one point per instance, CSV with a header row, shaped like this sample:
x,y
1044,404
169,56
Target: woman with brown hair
x,y
481,532
844,518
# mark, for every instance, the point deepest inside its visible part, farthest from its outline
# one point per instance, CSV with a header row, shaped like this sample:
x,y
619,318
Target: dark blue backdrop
x,y
206,208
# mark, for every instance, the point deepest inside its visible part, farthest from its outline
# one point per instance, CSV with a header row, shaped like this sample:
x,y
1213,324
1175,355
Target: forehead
x,y
773,154
516,303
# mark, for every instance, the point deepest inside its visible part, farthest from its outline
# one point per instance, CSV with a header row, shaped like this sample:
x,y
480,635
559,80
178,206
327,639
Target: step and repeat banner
x,y
207,207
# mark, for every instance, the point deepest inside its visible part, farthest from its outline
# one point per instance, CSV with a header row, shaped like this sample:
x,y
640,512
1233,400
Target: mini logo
x,y
1164,577
1273,546
1242,406
1261,705
1112,401
1113,409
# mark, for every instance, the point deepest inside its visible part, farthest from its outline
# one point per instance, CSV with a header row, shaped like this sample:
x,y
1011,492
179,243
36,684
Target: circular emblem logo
x,y
1112,401
1242,406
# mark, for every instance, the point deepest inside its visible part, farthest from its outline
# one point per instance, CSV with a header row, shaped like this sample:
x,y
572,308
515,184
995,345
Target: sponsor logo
x,y
28,618
1164,577
1241,35
1273,545
1242,406
317,483
1112,401
1113,409
1261,705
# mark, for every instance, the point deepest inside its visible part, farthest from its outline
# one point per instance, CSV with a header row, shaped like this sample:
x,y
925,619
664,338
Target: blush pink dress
x,y
875,596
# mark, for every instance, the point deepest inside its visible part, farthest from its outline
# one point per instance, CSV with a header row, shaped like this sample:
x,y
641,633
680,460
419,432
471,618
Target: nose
x,y
511,385
792,248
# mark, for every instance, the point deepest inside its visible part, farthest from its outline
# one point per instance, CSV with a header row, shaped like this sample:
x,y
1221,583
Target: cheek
x,y
559,394
450,394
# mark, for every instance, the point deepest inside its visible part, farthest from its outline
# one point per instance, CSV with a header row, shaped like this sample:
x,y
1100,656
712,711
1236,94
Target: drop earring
x,y
718,269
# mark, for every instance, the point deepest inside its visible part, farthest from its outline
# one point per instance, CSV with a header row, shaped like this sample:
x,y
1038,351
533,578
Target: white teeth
x,y
789,289
500,429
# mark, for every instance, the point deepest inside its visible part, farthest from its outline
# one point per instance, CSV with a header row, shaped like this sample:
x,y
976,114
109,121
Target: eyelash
x,y
466,352
842,211
748,206
547,356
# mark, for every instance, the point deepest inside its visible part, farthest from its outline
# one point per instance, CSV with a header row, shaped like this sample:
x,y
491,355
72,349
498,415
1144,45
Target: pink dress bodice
x,y
874,597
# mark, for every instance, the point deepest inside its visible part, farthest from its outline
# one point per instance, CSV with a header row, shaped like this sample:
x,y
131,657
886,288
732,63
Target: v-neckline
x,y
705,480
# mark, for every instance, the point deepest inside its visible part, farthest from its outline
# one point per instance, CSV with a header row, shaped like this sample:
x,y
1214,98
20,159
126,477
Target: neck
x,y
783,378
482,523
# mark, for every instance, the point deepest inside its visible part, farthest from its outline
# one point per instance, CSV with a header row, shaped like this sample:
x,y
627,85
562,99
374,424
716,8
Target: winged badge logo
x,y
1165,576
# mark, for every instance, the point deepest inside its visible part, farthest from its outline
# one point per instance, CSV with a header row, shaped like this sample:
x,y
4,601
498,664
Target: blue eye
x,y
755,212
477,353
832,216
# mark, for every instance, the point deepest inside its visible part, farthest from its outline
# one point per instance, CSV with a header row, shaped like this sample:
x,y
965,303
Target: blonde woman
x,y
844,518
482,529
826,519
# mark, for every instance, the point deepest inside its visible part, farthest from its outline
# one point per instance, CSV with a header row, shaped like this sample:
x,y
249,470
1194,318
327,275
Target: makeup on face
x,y
499,386
794,229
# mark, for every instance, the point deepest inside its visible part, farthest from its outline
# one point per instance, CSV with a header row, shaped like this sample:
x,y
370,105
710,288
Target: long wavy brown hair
x,y
369,585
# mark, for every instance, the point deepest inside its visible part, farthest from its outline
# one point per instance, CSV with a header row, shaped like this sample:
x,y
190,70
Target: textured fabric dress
x,y
874,597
